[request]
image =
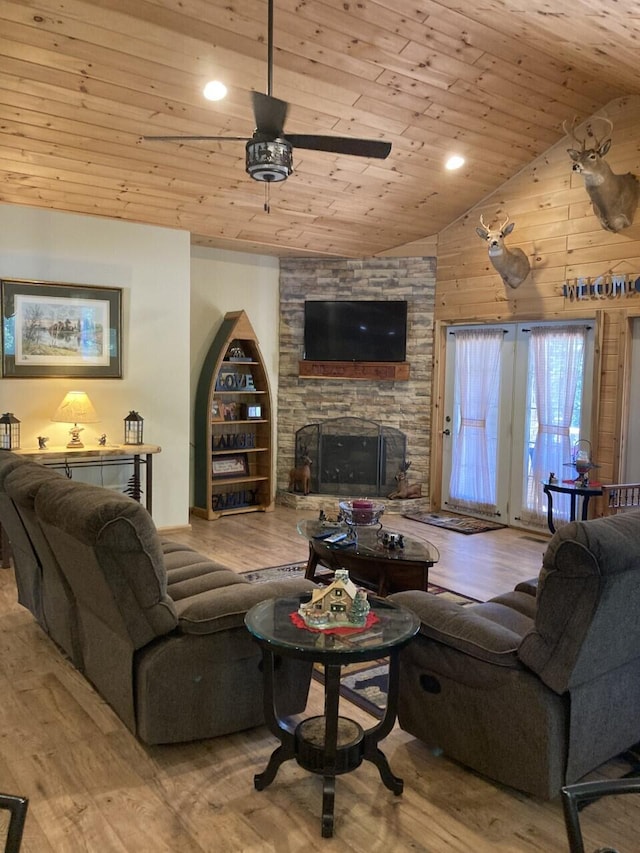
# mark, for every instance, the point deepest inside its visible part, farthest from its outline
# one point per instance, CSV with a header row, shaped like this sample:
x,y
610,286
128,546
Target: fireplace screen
x,y
351,456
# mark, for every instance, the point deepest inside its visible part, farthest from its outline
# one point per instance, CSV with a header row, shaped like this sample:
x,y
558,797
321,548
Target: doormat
x,y
459,523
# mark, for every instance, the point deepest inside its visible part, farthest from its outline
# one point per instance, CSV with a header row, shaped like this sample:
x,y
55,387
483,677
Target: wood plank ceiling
x,y
82,80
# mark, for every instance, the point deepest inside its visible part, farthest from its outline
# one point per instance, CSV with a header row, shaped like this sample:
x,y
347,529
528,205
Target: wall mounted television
x,y
355,330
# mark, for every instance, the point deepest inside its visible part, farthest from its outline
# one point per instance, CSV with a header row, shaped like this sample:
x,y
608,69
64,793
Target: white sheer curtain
x,y
556,368
474,450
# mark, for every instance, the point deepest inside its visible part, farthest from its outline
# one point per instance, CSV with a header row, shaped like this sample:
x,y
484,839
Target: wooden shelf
x,y
234,481
379,371
245,492
226,451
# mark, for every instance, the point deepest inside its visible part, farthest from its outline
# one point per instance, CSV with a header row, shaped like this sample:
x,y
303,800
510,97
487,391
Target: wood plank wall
x,y
556,228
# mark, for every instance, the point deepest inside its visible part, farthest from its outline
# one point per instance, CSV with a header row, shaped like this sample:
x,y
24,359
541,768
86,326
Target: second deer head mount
x,y
513,265
614,197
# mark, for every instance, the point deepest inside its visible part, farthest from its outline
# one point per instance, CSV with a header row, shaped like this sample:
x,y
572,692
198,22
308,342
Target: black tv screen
x,y
350,330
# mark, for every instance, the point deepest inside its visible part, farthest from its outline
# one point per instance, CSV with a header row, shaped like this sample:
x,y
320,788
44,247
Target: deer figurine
x,y
614,198
404,490
300,477
512,264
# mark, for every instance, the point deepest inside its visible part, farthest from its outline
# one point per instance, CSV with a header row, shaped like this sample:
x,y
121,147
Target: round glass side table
x,y
329,744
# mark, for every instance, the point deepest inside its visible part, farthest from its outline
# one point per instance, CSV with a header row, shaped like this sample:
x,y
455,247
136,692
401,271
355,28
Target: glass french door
x,y
517,400
631,461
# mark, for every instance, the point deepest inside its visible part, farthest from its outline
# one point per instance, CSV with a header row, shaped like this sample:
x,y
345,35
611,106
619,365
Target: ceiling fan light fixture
x,y
269,161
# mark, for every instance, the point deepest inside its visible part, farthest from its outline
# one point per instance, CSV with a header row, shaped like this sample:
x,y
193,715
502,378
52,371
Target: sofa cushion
x,y
487,633
107,546
588,583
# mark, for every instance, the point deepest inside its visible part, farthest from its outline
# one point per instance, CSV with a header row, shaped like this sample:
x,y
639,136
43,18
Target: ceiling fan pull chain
x,y
267,198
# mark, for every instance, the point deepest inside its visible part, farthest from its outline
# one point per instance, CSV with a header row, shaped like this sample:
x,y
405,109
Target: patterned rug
x,y
364,684
273,573
459,523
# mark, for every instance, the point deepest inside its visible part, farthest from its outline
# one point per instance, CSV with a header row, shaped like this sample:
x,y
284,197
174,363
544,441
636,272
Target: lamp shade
x,y
76,408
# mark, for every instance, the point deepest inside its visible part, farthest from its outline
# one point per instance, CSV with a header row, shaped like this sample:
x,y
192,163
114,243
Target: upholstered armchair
x,y
535,690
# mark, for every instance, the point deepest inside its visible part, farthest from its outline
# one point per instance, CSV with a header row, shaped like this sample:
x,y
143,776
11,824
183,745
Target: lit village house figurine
x,y
339,604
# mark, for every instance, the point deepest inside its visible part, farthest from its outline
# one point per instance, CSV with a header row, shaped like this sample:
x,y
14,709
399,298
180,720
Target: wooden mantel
x,y
380,371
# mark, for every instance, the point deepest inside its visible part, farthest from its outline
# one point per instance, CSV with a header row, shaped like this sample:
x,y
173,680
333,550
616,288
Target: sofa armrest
x,y
530,586
220,609
463,627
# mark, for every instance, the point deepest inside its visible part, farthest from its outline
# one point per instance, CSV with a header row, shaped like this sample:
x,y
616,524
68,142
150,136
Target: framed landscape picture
x,y
60,330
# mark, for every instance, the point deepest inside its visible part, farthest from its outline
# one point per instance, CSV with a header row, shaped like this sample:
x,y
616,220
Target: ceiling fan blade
x,y
270,114
340,145
196,138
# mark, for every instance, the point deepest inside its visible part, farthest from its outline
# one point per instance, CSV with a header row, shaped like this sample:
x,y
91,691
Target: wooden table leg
x,y
277,726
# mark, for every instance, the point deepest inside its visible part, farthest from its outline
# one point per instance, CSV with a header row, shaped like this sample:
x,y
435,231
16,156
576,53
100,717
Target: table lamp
x,y
76,408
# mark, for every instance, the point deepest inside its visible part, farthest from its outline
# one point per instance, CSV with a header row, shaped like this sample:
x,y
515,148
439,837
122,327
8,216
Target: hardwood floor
x,y
482,565
93,787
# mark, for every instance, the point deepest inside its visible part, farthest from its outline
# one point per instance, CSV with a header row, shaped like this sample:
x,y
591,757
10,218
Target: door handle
x,y
446,432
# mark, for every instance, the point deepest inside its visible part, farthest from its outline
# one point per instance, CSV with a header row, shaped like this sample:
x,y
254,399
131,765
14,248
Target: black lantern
x,y
133,428
9,432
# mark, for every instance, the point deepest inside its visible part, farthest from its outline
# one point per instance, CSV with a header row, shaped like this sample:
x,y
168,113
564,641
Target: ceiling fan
x,y
270,150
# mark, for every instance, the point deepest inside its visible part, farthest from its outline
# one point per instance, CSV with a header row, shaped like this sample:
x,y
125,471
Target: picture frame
x,y
54,330
232,465
252,411
217,410
230,411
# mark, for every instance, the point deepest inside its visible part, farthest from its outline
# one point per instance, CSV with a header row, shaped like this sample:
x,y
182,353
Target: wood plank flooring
x,y
93,787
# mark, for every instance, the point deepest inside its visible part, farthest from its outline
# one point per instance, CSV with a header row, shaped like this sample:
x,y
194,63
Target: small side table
x,y
329,744
575,491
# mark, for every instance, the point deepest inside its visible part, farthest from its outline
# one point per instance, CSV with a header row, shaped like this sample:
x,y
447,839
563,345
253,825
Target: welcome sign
x,y
602,287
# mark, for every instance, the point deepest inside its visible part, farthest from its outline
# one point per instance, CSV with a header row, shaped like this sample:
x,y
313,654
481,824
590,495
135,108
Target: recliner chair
x,y
534,691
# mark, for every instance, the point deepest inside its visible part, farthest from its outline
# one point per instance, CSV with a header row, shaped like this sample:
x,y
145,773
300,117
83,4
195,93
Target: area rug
x,y
459,523
275,573
364,684
288,571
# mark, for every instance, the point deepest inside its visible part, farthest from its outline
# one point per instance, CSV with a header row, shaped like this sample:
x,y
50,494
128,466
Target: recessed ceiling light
x,y
214,90
454,162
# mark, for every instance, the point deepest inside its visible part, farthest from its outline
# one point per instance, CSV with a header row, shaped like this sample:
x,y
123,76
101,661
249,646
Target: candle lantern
x,y
582,461
9,432
133,428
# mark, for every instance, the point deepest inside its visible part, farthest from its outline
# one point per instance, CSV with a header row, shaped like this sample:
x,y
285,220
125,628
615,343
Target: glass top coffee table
x,y
370,562
329,744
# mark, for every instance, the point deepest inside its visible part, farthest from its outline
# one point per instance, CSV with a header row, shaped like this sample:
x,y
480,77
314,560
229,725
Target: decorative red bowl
x,y
362,511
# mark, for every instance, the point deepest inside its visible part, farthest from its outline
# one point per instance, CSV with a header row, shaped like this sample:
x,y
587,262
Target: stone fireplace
x,y
400,405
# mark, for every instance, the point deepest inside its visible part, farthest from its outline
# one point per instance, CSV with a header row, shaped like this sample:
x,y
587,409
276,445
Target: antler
x,y
482,222
572,132
504,223
597,142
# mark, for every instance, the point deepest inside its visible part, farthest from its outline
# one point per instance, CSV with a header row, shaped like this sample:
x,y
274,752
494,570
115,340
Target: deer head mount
x,y
614,198
513,265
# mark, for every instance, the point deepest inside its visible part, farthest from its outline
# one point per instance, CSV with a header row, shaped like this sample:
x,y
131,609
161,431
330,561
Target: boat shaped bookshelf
x,y
233,425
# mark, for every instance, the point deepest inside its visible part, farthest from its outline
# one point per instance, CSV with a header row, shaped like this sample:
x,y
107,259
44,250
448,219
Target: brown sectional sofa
x,y
156,627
